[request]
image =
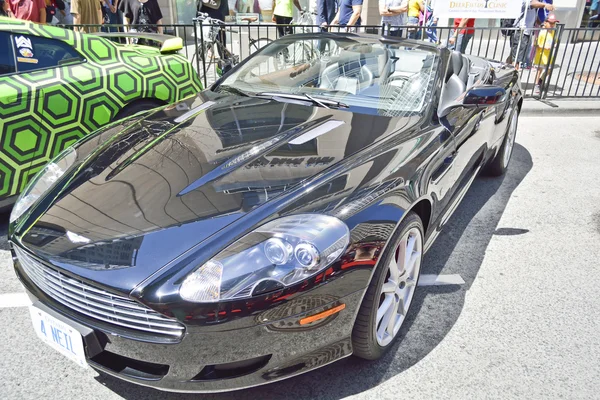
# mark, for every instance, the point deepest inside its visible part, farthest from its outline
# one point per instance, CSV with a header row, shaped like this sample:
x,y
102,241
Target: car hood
x,y
166,182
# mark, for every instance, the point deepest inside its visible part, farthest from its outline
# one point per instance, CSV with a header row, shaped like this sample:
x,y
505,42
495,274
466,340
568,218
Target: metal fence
x,y
573,70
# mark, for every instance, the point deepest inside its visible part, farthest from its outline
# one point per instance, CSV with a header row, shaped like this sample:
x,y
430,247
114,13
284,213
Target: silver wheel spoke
x,y
410,246
395,270
387,316
389,287
393,317
401,308
413,262
399,287
381,332
387,303
510,139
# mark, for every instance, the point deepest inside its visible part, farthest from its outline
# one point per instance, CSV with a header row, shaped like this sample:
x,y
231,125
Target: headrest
x,y
457,61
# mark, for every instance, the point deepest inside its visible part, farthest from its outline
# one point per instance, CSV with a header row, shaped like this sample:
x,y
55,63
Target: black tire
x,y
364,340
136,107
498,165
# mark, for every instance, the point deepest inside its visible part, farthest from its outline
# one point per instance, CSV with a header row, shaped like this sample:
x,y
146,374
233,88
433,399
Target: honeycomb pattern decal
x,y
42,112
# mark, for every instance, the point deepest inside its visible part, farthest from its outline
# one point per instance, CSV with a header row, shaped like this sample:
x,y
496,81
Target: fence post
x,y
202,52
515,61
249,40
591,66
551,61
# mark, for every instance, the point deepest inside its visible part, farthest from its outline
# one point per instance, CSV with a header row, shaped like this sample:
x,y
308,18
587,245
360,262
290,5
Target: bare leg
x,y
538,74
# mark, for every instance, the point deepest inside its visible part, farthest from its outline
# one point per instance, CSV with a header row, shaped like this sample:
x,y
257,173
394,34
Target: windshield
x,y
366,75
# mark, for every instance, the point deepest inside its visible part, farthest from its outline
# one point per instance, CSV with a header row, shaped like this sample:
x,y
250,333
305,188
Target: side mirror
x,y
484,96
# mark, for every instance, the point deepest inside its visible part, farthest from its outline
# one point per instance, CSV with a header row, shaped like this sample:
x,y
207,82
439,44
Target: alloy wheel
x,y
399,286
510,138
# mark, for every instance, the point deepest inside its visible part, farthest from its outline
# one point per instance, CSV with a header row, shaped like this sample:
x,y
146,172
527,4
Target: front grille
x,y
96,303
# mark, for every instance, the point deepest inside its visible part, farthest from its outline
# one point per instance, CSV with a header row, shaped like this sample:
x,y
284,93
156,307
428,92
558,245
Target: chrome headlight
x,y
280,253
42,181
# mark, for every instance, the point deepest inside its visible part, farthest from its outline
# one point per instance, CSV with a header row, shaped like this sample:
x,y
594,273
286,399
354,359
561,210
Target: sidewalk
x,y
560,107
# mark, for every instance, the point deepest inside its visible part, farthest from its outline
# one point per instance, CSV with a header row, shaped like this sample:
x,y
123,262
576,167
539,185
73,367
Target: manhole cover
x,y
589,77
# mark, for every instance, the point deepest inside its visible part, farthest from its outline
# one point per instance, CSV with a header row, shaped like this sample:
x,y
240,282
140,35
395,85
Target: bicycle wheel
x,y
260,43
197,56
296,54
269,65
213,67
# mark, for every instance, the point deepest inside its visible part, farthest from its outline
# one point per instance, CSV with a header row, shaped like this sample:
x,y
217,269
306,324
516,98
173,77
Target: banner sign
x,y
566,3
478,8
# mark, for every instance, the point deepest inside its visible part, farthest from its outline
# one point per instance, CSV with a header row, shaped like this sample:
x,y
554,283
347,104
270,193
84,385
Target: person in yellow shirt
x,y
283,13
414,8
544,44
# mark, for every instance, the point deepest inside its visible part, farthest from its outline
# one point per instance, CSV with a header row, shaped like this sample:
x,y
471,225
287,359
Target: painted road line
x,y
439,280
10,300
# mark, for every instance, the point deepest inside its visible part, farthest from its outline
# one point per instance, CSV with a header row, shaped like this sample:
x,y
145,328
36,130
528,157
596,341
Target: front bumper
x,y
228,359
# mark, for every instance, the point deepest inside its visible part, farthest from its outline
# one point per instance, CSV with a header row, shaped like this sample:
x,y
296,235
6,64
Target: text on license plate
x,y
58,335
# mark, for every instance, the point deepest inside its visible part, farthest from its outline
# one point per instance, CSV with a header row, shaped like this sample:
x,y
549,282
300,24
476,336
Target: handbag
x,y
214,4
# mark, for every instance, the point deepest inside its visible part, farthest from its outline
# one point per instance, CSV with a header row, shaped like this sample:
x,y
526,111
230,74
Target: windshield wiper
x,y
234,90
303,97
319,102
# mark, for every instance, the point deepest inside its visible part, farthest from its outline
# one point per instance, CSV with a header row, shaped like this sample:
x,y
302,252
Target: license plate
x,y
58,335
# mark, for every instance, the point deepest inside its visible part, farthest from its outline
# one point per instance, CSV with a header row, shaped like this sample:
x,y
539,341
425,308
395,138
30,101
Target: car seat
x,y
350,77
454,85
460,66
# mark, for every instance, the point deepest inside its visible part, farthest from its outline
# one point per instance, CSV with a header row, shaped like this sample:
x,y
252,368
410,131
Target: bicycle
x,y
299,52
211,29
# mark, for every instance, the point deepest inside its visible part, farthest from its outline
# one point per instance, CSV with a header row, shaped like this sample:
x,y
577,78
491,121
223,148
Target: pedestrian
x,y
326,10
86,12
520,41
430,22
144,15
29,10
51,7
245,6
111,15
544,44
594,8
5,9
348,13
217,9
461,35
415,7
393,15
64,17
283,12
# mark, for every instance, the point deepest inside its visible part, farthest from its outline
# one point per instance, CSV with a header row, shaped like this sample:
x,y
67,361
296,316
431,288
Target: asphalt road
x,y
525,324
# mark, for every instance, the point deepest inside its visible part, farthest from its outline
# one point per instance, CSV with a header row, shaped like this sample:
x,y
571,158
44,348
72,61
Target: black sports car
x,y
269,226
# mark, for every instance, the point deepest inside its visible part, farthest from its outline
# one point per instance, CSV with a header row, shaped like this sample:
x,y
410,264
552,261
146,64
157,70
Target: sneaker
x,y
537,90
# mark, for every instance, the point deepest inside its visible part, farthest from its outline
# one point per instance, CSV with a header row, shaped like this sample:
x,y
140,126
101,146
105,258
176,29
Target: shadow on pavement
x,y
460,249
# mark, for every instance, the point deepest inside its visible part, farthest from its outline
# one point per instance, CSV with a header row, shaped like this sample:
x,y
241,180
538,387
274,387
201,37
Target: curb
x,y
549,108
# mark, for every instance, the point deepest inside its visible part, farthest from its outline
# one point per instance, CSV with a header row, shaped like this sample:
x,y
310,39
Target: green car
x,y
57,86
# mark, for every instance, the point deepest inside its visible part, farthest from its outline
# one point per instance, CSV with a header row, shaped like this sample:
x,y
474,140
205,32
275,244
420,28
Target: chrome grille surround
x,y
97,303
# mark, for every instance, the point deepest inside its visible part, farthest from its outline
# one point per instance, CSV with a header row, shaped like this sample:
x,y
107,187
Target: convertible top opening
x,y
390,79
